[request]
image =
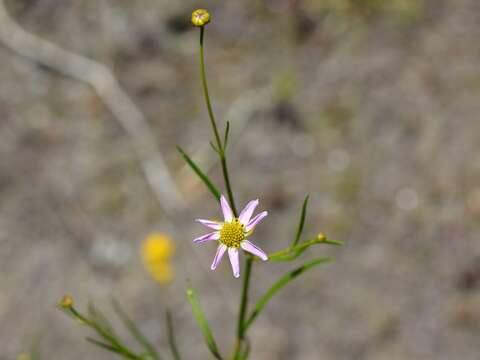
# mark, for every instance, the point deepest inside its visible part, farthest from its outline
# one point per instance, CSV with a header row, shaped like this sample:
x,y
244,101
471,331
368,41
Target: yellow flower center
x,y
232,233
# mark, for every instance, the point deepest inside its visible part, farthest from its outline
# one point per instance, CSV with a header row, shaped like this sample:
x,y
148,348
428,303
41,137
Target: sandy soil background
x,y
370,107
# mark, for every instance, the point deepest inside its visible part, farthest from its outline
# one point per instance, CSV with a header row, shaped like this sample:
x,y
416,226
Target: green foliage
x,y
291,253
206,180
135,331
202,322
171,336
301,223
110,341
277,286
227,133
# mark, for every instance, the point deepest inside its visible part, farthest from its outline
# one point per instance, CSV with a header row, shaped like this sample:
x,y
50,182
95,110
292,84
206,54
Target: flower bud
x,y
321,237
66,302
200,17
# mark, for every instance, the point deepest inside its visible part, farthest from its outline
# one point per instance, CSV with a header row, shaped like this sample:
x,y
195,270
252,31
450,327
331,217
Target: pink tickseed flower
x,y
232,234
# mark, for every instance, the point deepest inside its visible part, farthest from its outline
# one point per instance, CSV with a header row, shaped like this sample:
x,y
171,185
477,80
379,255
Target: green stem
x,y
228,186
220,145
205,92
243,308
226,177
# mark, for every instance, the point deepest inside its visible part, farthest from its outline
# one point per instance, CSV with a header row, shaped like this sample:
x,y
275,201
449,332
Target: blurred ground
x,y
371,107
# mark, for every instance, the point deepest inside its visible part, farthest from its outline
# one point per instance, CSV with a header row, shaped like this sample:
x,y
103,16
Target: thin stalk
x,y
220,145
205,92
226,177
243,308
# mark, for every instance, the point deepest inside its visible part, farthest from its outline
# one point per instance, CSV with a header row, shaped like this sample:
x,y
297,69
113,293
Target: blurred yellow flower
x,y
157,251
24,356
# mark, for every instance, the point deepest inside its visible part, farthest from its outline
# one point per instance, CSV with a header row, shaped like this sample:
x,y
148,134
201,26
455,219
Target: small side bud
x,y
321,237
200,17
66,302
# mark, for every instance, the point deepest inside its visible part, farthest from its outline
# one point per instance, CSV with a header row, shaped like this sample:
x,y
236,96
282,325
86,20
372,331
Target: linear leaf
x,y
99,318
284,280
171,336
301,223
202,322
103,345
334,242
214,147
134,330
206,180
105,333
227,133
290,254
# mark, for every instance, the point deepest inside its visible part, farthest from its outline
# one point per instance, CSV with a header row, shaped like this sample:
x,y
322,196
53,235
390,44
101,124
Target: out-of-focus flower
x,y
200,17
24,356
157,251
232,234
66,302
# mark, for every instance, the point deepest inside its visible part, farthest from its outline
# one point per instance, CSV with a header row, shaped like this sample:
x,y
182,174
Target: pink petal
x,y
233,255
218,256
227,211
208,237
253,249
247,212
251,225
209,223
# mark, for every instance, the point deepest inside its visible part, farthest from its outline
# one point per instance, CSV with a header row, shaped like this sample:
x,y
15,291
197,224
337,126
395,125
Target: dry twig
x,y
102,80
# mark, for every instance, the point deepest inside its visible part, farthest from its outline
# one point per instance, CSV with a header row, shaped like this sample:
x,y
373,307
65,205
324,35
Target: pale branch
x,y
102,80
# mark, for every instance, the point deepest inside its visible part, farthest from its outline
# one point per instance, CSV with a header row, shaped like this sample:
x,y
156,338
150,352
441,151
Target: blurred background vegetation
x,y
369,106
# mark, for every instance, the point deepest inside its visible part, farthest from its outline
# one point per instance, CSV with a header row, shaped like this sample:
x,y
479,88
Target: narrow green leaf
x,y
290,254
213,189
99,318
105,333
334,242
301,223
103,345
134,330
214,147
202,322
284,280
227,133
171,336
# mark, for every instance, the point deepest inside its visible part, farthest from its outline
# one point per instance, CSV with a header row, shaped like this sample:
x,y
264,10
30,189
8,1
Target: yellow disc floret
x,y
232,233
